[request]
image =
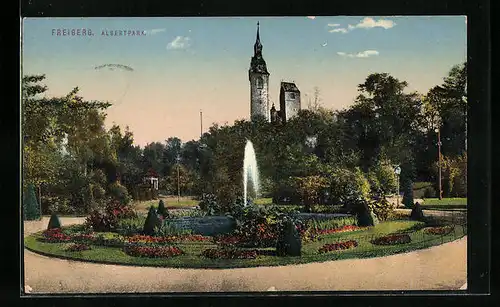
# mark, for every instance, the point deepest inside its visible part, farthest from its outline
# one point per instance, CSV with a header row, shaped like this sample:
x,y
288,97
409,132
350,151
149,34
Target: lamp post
x,y
178,180
439,162
397,171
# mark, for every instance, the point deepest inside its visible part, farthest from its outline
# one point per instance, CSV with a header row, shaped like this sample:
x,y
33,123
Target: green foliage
x,y
210,204
130,226
119,192
382,209
408,194
162,210
416,212
366,217
169,229
423,190
289,242
333,223
454,172
348,187
382,178
310,188
152,221
54,222
31,209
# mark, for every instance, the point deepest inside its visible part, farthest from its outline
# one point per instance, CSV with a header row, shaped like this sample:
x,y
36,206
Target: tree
x,y
171,150
384,118
310,188
31,209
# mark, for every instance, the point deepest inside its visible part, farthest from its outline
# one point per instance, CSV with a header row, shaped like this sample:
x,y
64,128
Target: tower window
x,y
292,95
260,82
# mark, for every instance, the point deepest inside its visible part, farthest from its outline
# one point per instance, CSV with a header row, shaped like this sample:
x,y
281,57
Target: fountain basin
x,y
206,225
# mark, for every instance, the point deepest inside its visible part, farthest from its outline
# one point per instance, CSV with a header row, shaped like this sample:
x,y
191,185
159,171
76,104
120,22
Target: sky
x,y
181,66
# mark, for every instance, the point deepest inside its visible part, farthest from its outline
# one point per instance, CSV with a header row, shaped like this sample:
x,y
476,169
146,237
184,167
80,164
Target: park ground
x,y
442,267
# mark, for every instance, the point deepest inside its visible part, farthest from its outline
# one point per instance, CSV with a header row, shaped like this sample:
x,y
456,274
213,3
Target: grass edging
x,y
201,263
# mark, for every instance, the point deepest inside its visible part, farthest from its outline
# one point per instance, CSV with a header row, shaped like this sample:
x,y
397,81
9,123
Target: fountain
x,y
250,171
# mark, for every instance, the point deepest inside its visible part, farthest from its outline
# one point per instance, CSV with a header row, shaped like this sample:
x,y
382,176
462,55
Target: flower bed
x,y
336,230
152,251
55,235
83,238
78,247
214,253
337,246
392,239
169,239
227,240
444,230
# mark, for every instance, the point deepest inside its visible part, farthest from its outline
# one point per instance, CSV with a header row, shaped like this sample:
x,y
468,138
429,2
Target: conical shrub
x,y
54,222
162,210
152,221
408,194
417,213
365,215
31,209
289,242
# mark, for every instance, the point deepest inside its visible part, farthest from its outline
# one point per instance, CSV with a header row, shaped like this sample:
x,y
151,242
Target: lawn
x,y
445,203
170,201
192,258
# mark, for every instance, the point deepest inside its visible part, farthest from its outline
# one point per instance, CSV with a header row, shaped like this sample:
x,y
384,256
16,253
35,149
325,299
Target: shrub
x,y
31,209
333,223
152,221
162,210
56,204
209,204
416,212
119,192
337,246
166,229
382,208
289,242
130,226
408,194
392,239
423,190
429,192
107,219
54,222
364,214
256,226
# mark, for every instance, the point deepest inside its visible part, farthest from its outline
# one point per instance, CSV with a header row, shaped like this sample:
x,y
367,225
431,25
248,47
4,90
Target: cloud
x,y
155,31
363,54
366,23
341,30
180,42
311,17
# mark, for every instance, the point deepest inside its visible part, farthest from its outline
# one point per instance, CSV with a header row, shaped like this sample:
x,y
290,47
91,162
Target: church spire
x,y
257,47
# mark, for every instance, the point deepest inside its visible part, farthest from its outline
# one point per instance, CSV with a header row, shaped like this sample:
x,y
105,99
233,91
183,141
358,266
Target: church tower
x,y
259,82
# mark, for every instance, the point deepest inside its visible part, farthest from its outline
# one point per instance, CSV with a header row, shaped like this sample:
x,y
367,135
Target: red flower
x,y
392,239
337,246
152,252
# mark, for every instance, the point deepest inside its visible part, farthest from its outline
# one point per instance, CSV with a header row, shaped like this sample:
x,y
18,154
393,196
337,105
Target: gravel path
x,y
441,267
